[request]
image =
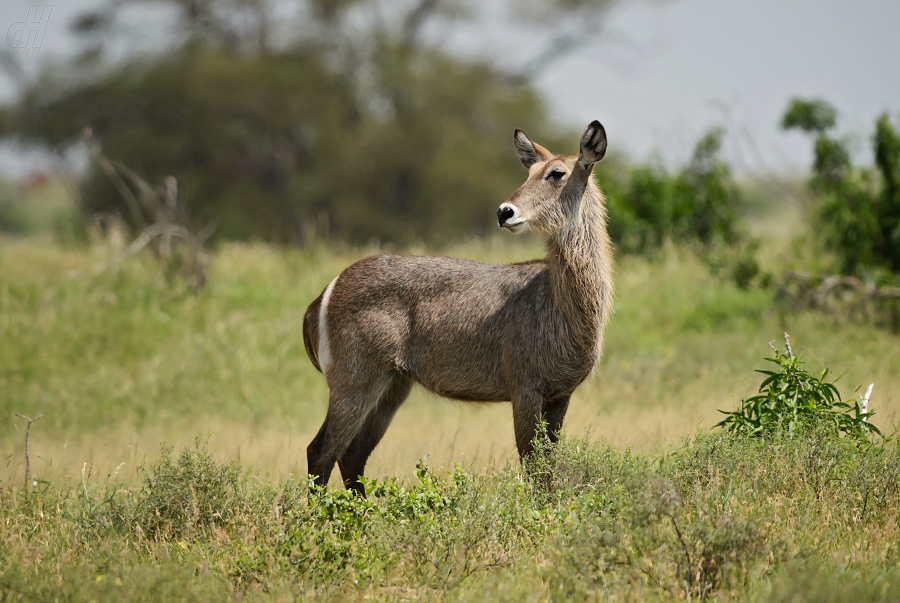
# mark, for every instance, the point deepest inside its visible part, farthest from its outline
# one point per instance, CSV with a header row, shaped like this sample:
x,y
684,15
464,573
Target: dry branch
x,y
835,294
169,236
787,345
824,286
27,459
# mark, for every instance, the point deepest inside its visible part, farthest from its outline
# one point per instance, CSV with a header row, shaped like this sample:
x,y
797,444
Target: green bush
x,y
698,204
792,402
194,491
858,212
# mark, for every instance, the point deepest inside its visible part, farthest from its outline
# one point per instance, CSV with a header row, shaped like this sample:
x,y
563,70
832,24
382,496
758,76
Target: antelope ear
x,y
529,152
593,144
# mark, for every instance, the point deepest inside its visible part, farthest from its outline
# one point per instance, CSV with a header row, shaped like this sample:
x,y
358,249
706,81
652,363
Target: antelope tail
x,y
311,332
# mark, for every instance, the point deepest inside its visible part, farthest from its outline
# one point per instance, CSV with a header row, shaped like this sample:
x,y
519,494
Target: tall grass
x,y
802,519
650,505
119,362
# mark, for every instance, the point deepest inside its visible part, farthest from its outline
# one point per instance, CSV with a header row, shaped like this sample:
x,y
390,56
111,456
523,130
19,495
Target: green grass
x,y
119,361
806,519
41,209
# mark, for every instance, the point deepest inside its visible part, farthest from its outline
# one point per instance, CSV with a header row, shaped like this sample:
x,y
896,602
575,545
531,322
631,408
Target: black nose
x,y
504,214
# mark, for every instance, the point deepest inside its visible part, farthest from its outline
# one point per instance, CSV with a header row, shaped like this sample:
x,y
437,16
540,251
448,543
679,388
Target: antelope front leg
x,y
554,412
527,413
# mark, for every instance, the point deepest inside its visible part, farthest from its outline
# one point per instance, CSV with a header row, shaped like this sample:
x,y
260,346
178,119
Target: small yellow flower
x,y
182,544
99,579
118,582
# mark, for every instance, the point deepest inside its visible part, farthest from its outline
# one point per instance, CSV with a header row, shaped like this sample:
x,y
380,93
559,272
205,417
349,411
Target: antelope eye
x,y
555,174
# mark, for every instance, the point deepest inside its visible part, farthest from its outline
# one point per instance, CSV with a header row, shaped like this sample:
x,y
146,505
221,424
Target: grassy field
x,y
119,361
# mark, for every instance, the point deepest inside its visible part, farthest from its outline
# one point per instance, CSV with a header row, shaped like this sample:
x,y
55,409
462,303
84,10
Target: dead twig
x,y
110,170
787,345
687,555
176,246
27,459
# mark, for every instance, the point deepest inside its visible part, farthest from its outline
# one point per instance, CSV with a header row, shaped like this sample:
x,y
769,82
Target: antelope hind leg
x,y
353,461
316,461
347,413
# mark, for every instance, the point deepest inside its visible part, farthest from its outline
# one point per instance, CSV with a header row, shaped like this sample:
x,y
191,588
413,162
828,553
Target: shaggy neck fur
x,y
580,262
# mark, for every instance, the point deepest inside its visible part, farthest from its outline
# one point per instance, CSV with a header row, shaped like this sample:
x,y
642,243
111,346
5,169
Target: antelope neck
x,y
580,267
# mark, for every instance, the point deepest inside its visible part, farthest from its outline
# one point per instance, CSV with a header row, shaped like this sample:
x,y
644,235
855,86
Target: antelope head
x,y
550,198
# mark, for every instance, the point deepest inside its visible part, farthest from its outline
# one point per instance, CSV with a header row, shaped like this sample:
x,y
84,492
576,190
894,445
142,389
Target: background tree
x,y
859,211
697,204
343,120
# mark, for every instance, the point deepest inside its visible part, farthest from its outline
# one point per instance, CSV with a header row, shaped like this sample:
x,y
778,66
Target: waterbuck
x,y
527,333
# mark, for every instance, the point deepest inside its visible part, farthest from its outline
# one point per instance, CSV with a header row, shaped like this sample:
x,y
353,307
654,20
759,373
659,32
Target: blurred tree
x,y
569,26
344,120
887,158
859,213
697,204
813,116
706,197
641,211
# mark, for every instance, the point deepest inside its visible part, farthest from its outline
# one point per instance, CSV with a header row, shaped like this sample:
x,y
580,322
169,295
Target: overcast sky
x,y
661,73
712,61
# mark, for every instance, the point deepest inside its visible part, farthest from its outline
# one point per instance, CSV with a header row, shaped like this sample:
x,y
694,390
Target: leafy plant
x,y
792,401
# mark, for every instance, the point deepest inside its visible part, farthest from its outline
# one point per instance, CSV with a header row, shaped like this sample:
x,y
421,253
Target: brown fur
x,y
528,333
